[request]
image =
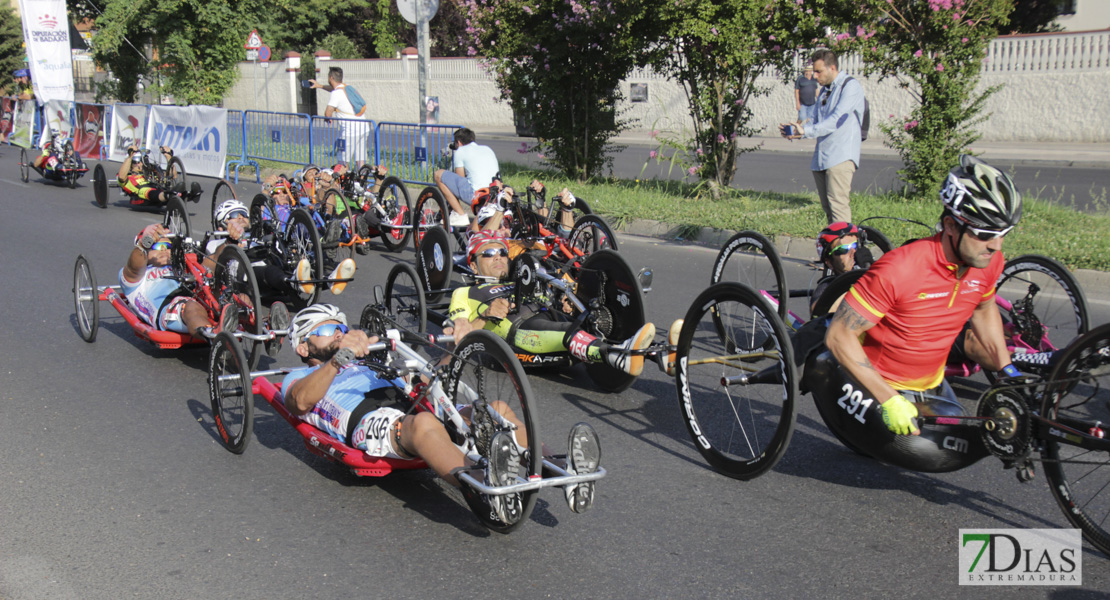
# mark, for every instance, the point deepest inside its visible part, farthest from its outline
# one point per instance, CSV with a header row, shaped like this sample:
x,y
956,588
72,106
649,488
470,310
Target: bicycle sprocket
x,y
1009,435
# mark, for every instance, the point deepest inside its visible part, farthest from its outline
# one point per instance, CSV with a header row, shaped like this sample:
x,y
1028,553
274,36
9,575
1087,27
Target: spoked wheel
x,y
303,242
176,218
737,396
229,389
580,209
86,299
1047,307
404,298
333,232
485,373
174,175
1078,396
72,176
234,281
220,194
100,186
751,259
394,199
24,166
607,278
431,210
263,216
434,263
590,234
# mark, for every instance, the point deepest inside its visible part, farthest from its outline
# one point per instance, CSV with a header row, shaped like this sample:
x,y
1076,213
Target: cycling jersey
x,y
137,185
155,299
533,328
918,305
352,409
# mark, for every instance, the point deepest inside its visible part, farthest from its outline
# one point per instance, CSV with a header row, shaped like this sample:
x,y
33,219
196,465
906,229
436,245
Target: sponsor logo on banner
x,y
1021,557
128,126
46,37
198,134
88,134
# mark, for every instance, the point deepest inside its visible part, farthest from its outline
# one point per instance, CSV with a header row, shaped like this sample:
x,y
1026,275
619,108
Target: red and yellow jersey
x,y
919,304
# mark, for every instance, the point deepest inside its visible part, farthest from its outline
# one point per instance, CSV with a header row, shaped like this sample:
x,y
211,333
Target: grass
x,y
1048,225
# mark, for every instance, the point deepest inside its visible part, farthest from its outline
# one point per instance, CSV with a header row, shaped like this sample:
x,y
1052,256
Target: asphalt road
x,y
114,483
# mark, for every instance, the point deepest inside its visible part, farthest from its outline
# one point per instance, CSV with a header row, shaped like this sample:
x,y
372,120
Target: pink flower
x,y
770,37
917,54
652,154
940,67
700,152
720,138
654,132
523,148
964,40
692,170
911,125
528,9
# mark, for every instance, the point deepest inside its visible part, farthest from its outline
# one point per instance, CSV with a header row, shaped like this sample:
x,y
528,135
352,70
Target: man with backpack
x,y
838,127
347,104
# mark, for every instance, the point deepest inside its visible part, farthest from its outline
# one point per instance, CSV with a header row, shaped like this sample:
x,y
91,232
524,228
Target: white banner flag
x,y
198,134
57,120
128,126
46,33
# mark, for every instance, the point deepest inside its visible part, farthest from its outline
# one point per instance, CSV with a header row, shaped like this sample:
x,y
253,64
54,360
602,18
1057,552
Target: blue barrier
x,y
236,147
336,140
413,151
280,137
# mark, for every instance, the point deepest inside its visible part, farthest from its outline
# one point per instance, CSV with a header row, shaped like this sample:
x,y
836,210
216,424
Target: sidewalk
x,y
1064,154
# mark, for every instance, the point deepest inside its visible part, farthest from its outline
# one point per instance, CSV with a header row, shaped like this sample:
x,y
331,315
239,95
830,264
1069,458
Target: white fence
x,y
1049,52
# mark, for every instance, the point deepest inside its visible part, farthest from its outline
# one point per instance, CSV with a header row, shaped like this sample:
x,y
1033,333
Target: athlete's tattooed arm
x,y
843,340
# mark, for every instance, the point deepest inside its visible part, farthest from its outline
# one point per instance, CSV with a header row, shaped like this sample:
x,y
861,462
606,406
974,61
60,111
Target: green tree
x,y
559,62
11,46
1035,16
935,48
717,50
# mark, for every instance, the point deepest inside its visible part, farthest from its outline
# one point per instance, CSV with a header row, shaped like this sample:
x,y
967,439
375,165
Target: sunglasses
x,y
161,246
986,235
239,214
494,253
844,249
328,330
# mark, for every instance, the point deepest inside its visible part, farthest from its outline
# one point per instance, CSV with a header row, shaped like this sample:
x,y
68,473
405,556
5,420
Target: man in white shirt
x,y
356,134
475,166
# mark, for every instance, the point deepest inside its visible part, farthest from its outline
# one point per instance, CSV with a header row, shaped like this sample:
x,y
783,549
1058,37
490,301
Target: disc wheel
x,y
234,281
1047,307
751,259
1077,396
229,389
176,218
24,166
434,264
302,241
86,299
404,298
741,429
606,277
100,186
430,210
220,194
485,373
174,177
393,197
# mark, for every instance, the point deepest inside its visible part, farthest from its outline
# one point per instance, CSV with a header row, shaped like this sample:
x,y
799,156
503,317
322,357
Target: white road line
x,y
19,183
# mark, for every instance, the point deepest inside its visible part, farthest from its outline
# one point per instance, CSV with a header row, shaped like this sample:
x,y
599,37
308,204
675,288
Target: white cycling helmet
x,y
228,208
306,320
981,196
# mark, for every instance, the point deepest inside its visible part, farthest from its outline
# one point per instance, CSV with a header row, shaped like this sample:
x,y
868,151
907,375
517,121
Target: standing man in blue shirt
x,y
837,127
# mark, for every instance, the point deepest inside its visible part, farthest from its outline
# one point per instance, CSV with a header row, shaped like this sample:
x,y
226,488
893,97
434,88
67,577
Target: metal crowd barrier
x,y
236,148
279,137
413,151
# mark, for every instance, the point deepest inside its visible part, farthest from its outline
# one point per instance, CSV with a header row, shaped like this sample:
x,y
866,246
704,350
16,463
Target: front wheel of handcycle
x,y
607,278
485,373
100,186
1077,463
174,175
394,199
430,210
229,389
1048,308
234,281
590,234
404,299
751,259
302,241
176,218
86,299
24,166
220,194
736,380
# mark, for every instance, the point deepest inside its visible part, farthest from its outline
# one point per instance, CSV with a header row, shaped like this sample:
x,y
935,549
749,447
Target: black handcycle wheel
x,y
302,241
737,399
434,263
430,210
72,176
100,186
836,288
751,259
1047,306
220,194
334,251
263,216
229,389
86,299
486,374
234,281
590,234
404,298
393,197
176,218
1077,396
174,176
24,166
607,277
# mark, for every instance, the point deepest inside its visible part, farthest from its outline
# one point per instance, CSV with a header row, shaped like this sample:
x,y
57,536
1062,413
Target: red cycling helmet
x,y
831,234
479,239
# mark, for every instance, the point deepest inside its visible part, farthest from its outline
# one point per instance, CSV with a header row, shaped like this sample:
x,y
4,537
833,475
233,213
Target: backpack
x,y
865,124
357,103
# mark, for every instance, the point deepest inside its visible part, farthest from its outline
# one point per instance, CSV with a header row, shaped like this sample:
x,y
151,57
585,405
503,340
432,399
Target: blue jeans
x,y
459,186
807,112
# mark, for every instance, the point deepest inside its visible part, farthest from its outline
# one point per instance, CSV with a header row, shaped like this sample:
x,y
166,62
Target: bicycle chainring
x,y
373,322
602,319
1009,435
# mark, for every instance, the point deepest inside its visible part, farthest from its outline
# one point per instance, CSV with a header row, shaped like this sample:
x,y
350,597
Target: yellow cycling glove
x,y
898,414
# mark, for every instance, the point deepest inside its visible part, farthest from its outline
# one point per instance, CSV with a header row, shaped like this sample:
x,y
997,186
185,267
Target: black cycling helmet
x,y
981,196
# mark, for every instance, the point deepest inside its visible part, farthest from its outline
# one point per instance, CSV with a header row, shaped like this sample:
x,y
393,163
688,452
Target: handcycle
x,y
69,170
604,296
232,280
482,371
737,383
171,179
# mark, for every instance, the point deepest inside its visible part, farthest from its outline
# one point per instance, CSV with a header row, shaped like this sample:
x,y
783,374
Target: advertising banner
x,y
46,34
90,130
57,120
128,125
198,134
24,123
7,112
